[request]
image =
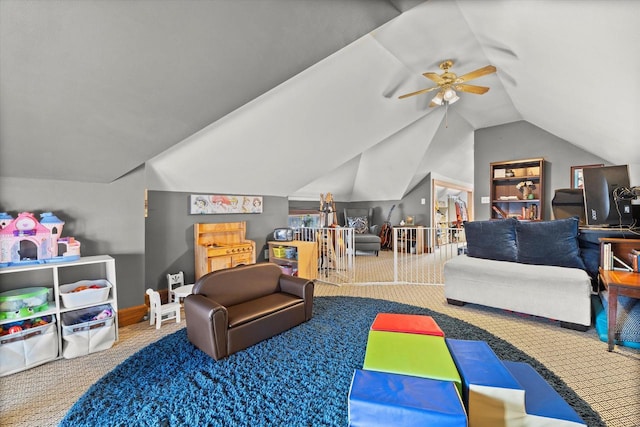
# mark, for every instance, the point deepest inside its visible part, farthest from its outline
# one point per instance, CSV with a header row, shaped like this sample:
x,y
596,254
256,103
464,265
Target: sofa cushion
x,y
549,243
245,312
367,238
360,224
492,239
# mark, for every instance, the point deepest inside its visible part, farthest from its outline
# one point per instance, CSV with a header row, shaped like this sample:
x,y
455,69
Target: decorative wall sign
x,y
576,174
203,204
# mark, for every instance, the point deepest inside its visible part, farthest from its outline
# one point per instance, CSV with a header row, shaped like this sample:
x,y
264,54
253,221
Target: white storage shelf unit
x,y
53,276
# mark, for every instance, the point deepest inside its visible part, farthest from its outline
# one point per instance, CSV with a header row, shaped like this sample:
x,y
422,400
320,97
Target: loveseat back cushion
x,y
236,285
492,239
549,243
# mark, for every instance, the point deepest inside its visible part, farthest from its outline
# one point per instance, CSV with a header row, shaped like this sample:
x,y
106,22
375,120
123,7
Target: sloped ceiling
x,y
93,89
291,98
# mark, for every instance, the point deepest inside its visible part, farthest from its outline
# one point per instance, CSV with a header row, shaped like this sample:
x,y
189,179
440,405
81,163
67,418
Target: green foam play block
x,y
419,355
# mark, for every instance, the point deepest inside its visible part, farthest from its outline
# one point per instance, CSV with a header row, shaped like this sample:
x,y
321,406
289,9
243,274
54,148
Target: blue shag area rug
x,y
298,378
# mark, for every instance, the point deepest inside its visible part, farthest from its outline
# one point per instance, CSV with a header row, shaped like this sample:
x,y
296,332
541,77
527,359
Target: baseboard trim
x,y
574,326
131,315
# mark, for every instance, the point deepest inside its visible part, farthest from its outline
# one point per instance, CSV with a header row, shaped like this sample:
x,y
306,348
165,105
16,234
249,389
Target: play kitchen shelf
x,y
517,189
301,256
67,333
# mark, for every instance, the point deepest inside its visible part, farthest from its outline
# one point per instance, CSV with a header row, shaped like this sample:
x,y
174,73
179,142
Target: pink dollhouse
x,y
25,240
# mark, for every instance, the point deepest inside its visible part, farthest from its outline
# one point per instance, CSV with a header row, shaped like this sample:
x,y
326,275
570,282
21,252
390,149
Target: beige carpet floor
x,y
608,381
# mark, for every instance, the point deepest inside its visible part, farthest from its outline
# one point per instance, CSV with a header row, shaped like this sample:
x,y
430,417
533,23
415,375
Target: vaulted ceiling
x,y
295,98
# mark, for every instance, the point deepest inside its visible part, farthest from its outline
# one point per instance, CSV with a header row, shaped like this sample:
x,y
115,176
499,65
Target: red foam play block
x,y
407,323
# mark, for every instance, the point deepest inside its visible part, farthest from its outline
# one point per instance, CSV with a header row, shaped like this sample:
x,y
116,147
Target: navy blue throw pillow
x,y
492,239
549,243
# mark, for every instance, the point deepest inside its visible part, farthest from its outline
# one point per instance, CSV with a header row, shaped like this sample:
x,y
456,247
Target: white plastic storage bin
x,y
99,293
87,330
28,348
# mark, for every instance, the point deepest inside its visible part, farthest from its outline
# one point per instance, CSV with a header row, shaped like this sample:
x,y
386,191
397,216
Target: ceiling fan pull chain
x,y
446,114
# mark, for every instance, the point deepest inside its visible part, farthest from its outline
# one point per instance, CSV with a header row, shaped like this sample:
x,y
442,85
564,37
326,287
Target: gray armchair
x,y
366,233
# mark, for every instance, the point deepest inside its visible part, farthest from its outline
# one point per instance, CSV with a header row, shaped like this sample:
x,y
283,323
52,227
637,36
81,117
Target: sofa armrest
x,y
299,287
207,323
374,229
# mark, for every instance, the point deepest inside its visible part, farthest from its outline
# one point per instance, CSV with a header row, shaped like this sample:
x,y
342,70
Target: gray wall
x,y
109,218
169,232
523,140
106,219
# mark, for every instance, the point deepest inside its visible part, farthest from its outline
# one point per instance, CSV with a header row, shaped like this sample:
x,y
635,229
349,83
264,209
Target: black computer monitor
x,y
567,203
605,202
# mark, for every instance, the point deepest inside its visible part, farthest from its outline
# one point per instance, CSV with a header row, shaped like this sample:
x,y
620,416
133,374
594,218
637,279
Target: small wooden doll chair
x,y
177,288
159,311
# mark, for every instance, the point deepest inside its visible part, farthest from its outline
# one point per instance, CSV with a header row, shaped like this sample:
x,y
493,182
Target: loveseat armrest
x,y
299,287
207,324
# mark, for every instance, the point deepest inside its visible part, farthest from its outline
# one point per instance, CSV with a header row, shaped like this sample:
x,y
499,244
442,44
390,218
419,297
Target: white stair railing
x,y
418,255
336,252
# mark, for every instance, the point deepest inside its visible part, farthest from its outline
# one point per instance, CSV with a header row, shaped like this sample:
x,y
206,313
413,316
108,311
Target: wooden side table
x,y
618,283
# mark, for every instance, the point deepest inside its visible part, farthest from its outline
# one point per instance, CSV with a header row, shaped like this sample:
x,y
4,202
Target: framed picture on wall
x,y
576,174
205,204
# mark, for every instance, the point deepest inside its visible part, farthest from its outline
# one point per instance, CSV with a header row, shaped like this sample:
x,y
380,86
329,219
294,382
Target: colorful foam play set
x,y
414,376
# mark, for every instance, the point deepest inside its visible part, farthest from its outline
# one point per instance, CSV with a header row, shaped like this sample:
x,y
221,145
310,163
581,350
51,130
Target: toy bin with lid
x,y
23,302
84,292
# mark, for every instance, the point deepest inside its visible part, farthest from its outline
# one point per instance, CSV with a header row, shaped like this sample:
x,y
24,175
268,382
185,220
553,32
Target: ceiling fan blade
x,y
434,77
419,92
472,89
477,73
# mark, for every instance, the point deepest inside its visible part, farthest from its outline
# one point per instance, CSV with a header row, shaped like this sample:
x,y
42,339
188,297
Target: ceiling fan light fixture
x,y
450,96
438,98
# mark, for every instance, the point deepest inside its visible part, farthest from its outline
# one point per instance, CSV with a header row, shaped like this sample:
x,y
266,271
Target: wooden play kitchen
x,y
222,245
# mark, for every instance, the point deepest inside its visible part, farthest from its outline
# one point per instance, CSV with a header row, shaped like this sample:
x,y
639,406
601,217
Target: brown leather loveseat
x,y
236,308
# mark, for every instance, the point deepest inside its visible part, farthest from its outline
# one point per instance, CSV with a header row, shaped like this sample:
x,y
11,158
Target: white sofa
x,y
558,293
533,267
